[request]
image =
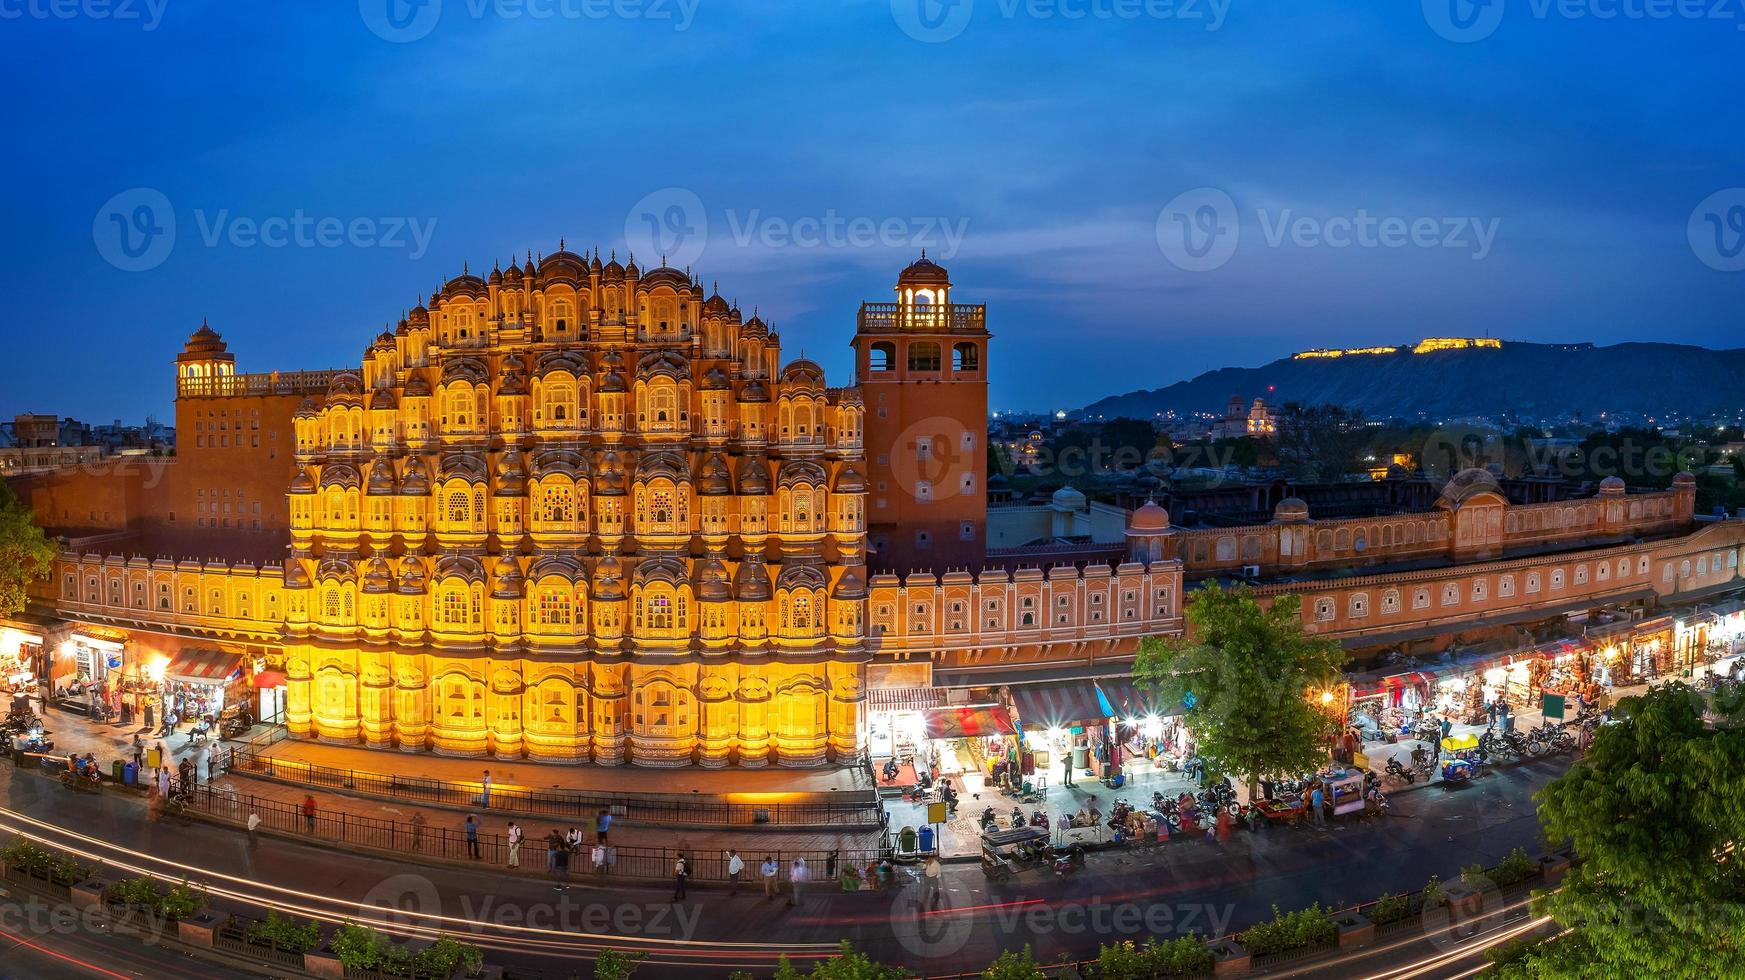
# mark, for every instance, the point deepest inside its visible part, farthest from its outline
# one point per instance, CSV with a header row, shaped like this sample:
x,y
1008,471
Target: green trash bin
x,y
906,841
118,772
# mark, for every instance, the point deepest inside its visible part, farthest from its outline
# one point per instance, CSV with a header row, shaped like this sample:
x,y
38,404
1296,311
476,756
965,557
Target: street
x,y
1185,885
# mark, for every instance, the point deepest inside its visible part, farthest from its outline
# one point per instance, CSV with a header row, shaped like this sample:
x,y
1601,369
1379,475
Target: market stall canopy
x,y
964,721
1122,698
1057,705
203,667
269,678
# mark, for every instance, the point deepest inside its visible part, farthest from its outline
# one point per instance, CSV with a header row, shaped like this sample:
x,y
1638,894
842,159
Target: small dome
x,y
712,581
412,579
852,584
302,482
1149,517
377,576
608,579
204,341
296,576
754,391
803,372
716,305
753,478
1612,484
306,409
414,482
613,383
1066,498
849,480
751,583
1290,510
924,272
511,475
417,386
714,481
381,479
609,477
1685,478
715,380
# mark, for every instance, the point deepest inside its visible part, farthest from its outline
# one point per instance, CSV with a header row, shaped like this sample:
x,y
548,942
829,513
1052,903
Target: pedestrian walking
x,y
830,867
680,873
163,782
138,753
599,859
602,824
485,791
930,873
797,875
1316,798
1066,765
563,856
735,867
309,812
211,764
472,837
553,841
417,830
515,836
769,871
254,826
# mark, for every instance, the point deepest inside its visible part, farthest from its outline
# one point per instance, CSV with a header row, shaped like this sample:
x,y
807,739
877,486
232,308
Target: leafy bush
x,y
1183,956
849,964
1290,930
180,902
1517,867
1475,874
1433,894
613,965
362,948
284,932
1390,908
40,862
1014,965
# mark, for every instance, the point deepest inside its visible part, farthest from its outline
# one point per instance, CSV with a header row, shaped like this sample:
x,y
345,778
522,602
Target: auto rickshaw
x,y
1005,852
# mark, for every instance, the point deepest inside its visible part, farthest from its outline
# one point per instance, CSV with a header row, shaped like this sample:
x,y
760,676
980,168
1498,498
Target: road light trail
x,y
422,925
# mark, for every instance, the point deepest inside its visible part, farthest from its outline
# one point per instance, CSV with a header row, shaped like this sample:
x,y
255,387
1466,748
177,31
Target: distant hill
x,y
1536,380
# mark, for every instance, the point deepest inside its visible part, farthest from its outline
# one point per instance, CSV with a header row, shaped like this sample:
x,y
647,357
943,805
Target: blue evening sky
x,y
1559,173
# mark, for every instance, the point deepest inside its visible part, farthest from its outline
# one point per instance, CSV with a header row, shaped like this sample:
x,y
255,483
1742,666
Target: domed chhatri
x,y
608,493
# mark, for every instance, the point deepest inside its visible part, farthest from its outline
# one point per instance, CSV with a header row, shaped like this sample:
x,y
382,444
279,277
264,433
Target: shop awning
x,y
1122,698
963,721
203,667
269,678
1057,705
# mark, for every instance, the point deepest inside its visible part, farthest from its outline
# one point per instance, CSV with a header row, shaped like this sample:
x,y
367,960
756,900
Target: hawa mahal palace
x,y
578,511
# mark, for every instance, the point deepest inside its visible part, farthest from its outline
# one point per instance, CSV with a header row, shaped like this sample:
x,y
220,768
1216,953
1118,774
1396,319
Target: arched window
x,y
924,356
459,508
882,356
966,358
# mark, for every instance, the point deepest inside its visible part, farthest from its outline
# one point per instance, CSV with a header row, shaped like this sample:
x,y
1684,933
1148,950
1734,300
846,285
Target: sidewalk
x,y
962,836
357,824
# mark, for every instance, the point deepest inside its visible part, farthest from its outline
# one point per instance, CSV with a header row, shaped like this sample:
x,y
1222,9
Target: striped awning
x,y
1057,705
1122,698
203,667
904,699
964,721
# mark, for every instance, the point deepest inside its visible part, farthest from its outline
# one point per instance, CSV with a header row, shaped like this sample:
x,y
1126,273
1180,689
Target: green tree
x,y
26,554
613,965
849,964
1249,671
1655,810
1321,443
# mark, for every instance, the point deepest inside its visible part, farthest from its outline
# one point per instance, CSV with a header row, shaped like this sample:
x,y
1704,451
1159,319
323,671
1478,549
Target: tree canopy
x,y
26,554
1246,672
1655,812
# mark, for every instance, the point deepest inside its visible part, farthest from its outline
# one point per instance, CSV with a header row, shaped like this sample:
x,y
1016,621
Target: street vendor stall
x,y
1344,791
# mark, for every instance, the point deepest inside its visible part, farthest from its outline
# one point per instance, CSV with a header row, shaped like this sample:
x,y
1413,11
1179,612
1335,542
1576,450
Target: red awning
x,y
269,678
203,667
968,720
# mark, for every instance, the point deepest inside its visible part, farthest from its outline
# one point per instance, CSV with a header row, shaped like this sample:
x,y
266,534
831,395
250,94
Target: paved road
x,y
1183,886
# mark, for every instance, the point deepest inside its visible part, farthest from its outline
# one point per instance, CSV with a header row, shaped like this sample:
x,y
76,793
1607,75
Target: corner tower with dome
x,y
579,511
921,363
